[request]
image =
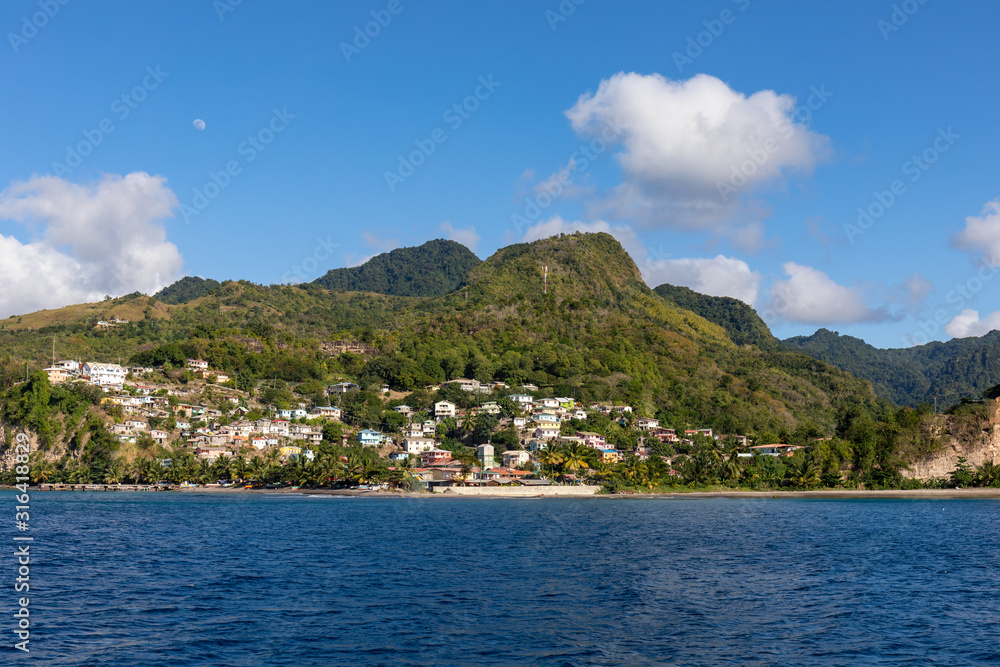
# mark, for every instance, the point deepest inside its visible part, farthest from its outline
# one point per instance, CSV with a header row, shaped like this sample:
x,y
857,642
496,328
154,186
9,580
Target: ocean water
x,y
190,579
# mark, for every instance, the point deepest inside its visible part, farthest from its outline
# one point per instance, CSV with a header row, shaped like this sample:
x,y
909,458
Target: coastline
x,y
982,493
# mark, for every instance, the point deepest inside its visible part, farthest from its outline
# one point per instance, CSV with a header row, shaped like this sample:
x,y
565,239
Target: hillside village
x,y
210,418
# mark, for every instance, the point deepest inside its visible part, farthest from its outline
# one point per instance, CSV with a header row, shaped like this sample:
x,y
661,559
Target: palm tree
x,y
550,457
576,457
988,474
804,474
114,473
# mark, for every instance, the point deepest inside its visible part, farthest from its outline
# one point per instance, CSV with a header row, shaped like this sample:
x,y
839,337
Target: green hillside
x,y
740,321
597,333
186,289
945,372
432,269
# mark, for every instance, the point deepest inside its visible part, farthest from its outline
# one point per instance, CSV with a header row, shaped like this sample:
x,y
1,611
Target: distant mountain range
x,y
937,372
565,310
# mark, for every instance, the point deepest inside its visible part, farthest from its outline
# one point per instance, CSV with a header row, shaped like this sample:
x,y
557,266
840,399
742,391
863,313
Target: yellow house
x,y
290,450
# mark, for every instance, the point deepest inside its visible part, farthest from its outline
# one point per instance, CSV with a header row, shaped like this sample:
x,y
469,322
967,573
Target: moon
x,y
199,124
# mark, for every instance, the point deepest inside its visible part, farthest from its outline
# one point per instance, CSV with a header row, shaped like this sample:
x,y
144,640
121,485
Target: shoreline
x,y
984,493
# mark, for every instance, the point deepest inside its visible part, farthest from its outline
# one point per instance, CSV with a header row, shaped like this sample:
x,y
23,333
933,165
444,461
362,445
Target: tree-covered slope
x,y
595,331
739,320
186,289
432,269
941,372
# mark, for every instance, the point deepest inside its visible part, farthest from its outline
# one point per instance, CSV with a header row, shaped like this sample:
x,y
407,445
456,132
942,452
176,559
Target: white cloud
x,y
682,140
716,276
468,237
809,296
88,241
967,323
981,235
914,290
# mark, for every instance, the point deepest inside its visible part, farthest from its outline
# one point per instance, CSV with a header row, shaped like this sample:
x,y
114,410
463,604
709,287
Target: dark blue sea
x,y
219,579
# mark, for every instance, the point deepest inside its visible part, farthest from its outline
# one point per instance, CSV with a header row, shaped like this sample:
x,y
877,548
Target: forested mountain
x,y
740,321
186,289
945,372
590,328
432,269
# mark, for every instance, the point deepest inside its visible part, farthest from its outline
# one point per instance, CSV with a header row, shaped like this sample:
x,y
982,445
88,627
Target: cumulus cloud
x,y
468,237
809,296
981,234
693,150
716,276
967,323
88,241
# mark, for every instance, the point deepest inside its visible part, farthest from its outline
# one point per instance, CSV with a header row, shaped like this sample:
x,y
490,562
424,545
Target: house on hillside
x,y
591,439
515,457
647,424
103,375
196,364
444,409
417,445
370,438
775,450
342,388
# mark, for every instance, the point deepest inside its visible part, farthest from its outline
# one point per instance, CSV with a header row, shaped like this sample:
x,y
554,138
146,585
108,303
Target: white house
x,y
546,432
645,424
196,364
522,399
325,413
418,445
443,409
515,457
342,388
104,375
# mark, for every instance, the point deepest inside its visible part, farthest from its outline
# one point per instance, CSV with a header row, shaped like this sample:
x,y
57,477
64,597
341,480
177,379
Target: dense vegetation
x,y
739,320
937,372
568,314
186,289
432,269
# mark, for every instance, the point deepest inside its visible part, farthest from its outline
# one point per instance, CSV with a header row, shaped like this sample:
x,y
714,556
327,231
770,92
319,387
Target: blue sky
x,y
823,106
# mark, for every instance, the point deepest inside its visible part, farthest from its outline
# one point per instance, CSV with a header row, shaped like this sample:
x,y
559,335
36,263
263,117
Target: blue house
x,y
370,438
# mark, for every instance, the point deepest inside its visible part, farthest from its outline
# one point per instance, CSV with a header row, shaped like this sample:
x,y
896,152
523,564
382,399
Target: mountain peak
x,y
432,269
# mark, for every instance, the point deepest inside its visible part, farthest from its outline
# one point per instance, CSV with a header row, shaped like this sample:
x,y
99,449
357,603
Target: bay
x,y
233,579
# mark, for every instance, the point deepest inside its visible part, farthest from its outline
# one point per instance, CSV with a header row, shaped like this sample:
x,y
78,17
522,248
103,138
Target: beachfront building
x,y
485,454
515,457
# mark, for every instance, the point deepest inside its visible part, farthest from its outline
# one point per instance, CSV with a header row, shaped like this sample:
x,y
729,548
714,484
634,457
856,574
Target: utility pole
x,y
545,287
